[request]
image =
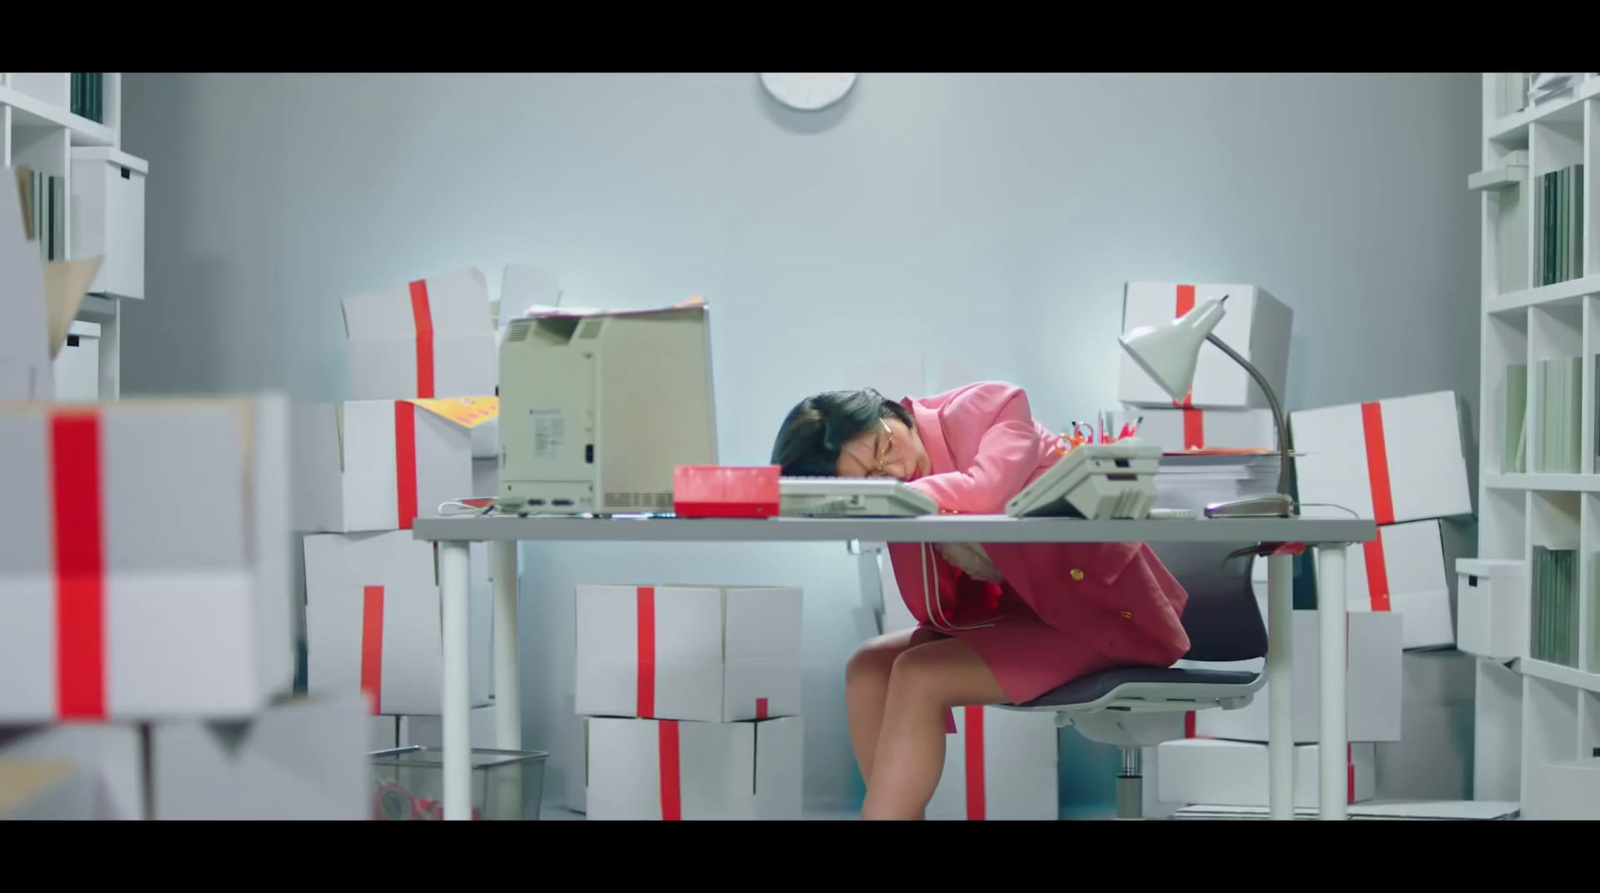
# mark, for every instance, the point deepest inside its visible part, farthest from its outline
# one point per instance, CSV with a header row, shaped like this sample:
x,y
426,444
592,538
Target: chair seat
x,y
1151,688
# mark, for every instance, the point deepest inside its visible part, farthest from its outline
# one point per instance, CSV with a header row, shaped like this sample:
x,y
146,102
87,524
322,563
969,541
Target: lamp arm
x,y
1284,444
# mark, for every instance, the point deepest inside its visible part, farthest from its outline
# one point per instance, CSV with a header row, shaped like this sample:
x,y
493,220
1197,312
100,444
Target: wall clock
x,y
808,92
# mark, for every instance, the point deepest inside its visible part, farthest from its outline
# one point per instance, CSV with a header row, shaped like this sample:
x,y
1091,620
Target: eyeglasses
x,y
885,450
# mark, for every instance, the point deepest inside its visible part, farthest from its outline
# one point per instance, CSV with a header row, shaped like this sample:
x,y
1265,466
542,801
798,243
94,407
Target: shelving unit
x,y
1551,499
104,213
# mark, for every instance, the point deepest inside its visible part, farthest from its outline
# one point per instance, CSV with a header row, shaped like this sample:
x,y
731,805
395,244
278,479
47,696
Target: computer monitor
x,y
597,409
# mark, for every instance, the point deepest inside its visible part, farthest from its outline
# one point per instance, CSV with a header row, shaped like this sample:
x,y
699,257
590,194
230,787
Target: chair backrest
x,y
1222,618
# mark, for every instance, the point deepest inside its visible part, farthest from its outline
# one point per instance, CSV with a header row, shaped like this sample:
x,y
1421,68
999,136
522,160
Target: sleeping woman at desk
x,y
997,623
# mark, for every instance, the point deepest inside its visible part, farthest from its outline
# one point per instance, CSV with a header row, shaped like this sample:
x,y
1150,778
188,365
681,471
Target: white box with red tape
x,y
144,558
1406,570
432,337
373,622
705,653
378,464
1395,460
1372,686
1175,430
1206,772
1000,764
645,769
1255,324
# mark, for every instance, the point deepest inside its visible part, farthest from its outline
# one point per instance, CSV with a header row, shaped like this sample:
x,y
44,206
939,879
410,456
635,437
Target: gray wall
x,y
988,220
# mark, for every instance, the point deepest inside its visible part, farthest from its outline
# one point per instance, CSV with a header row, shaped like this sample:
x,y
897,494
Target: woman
x,y
998,623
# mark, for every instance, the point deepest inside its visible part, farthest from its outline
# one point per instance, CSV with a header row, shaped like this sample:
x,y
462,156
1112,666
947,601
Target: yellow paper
x,y
65,282
468,412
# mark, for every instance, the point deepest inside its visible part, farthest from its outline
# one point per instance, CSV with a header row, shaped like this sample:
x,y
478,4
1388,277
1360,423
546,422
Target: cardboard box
x,y
1255,324
1492,608
385,732
377,464
305,759
428,730
170,593
373,622
1407,570
1175,430
711,654
45,790
1372,686
644,769
1235,773
112,755
1396,460
431,338
1000,764
1568,790
1433,760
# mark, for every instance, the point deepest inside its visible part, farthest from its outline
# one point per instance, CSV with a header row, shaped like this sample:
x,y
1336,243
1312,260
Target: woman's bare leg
x,y
925,681
866,684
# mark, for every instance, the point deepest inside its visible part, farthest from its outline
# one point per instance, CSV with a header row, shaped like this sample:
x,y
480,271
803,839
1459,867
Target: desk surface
x,y
930,529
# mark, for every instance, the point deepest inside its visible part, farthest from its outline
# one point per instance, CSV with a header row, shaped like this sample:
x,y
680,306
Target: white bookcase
x,y
104,214
1555,705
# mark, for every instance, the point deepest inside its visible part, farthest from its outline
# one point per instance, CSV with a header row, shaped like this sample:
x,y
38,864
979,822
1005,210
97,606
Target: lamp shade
x,y
1168,352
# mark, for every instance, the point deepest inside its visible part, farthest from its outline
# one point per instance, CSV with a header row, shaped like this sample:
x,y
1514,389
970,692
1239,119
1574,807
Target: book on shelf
x,y
1559,218
1554,627
88,91
1559,449
1514,456
44,211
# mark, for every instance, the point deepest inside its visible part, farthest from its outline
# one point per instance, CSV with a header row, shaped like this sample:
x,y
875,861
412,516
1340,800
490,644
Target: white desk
x,y
1329,536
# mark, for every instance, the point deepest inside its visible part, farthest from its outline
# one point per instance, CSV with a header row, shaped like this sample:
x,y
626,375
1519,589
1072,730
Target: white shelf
x,y
1569,483
29,111
1564,675
1562,293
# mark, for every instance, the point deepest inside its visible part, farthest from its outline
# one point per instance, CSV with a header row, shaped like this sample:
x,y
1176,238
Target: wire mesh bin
x,y
506,784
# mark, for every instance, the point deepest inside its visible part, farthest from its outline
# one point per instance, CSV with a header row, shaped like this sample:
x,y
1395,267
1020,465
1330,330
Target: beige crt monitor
x,y
597,409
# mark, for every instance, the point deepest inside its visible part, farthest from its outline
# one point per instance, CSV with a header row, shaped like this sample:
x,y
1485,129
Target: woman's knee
x,y
873,659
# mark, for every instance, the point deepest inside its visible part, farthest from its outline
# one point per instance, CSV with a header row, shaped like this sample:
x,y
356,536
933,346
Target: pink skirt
x,y
1027,657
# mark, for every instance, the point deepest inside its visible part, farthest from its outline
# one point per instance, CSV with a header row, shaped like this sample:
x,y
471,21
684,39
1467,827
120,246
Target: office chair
x,y
1137,707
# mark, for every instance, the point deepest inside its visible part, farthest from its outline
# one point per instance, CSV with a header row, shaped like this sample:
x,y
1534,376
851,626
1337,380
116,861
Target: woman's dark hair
x,y
817,429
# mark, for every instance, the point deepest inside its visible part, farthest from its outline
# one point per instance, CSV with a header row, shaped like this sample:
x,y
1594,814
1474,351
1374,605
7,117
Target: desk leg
x,y
1333,790
1280,686
507,695
454,590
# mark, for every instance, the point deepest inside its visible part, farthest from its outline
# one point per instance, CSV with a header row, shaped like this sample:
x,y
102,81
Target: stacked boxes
x,y
999,763
422,381
691,702
145,600
1403,463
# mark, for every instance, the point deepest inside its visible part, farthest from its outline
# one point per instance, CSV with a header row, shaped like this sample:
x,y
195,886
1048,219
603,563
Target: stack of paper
x,y
1543,84
1196,478
1514,456
1555,606
1559,415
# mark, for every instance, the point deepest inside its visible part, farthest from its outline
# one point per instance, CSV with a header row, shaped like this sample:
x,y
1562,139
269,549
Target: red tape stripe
x,y
671,780
422,318
405,463
372,646
1377,573
1194,429
1350,766
1184,304
1377,463
79,565
761,708
1189,725
976,795
646,695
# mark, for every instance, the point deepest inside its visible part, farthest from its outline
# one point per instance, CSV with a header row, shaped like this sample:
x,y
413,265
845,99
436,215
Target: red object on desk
x,y
717,491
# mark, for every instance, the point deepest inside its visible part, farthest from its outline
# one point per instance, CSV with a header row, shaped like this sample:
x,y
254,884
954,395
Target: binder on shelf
x,y
1559,220
1554,627
1514,457
1559,447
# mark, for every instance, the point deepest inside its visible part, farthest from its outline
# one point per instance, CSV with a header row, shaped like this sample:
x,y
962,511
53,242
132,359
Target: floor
x,y
558,812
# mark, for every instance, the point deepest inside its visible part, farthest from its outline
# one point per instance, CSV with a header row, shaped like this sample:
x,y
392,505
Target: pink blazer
x,y
985,447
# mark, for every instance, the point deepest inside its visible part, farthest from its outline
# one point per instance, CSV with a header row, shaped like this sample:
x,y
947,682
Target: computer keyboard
x,y
851,497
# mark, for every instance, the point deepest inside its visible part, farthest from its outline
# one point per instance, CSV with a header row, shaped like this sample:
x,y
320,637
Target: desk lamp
x,y
1168,353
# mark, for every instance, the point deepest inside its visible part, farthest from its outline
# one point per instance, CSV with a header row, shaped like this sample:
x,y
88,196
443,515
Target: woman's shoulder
x,y
977,394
